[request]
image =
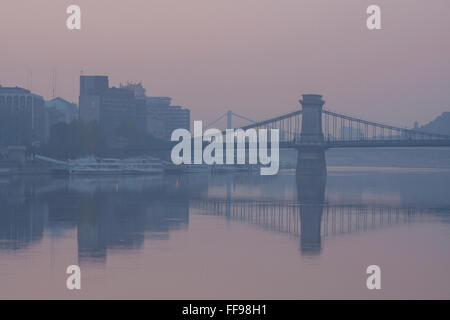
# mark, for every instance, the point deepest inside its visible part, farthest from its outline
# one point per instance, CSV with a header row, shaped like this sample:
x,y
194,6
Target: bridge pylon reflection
x,y
309,218
311,195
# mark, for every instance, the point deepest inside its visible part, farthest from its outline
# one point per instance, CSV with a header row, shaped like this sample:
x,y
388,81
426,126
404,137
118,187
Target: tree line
x,y
79,139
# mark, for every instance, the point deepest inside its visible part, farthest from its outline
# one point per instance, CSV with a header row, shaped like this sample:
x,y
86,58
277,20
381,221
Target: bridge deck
x,y
370,144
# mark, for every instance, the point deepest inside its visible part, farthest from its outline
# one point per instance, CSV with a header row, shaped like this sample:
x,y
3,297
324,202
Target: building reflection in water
x,y
122,213
21,215
107,213
124,221
123,216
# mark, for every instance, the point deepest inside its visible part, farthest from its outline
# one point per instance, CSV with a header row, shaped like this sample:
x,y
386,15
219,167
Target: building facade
x,y
60,110
175,117
156,125
160,109
110,107
22,117
91,90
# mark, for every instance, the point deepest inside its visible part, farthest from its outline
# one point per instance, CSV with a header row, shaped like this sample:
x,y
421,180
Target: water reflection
x,y
107,213
311,196
122,213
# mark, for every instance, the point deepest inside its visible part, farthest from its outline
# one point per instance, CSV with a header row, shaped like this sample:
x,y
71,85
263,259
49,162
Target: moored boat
x,y
110,166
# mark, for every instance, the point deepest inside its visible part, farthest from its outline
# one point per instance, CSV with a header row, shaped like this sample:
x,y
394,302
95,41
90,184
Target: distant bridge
x,y
312,130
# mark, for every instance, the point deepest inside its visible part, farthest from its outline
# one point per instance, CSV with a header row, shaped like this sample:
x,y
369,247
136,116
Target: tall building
x,y
174,117
110,107
91,90
22,117
158,101
60,110
156,125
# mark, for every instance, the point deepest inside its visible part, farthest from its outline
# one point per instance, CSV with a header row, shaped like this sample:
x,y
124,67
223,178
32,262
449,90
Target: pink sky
x,y
255,57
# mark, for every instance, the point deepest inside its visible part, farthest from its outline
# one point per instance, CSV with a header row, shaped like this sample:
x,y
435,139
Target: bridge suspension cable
x,y
215,121
242,117
342,128
226,114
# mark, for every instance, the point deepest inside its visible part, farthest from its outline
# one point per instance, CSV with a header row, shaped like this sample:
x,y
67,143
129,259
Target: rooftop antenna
x,y
53,83
29,84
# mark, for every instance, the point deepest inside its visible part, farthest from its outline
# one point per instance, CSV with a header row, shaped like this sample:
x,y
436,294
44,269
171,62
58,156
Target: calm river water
x,y
230,236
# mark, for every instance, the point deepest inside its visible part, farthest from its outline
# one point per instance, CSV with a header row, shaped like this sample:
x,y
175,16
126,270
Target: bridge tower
x,y
311,158
229,118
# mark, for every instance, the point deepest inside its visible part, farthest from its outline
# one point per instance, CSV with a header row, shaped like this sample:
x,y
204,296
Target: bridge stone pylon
x,y
311,153
312,118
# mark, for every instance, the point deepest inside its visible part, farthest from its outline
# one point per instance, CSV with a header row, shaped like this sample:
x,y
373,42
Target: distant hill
x,y
440,125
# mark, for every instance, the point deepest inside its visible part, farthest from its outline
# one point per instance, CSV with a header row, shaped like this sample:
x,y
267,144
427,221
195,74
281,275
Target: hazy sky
x,y
255,57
